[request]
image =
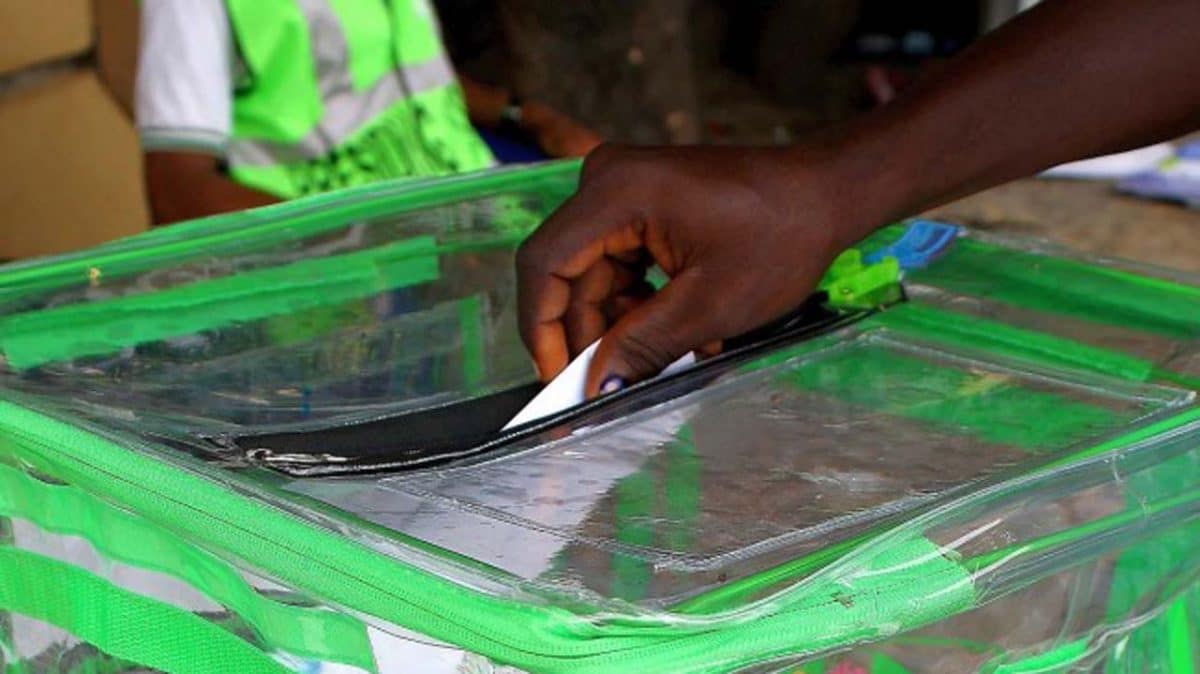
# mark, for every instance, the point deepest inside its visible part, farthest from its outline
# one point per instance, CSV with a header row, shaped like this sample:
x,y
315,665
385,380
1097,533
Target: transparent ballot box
x,y
274,441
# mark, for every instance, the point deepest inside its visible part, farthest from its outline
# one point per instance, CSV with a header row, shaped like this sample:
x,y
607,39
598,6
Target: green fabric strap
x,y
121,623
34,338
314,633
929,323
1066,287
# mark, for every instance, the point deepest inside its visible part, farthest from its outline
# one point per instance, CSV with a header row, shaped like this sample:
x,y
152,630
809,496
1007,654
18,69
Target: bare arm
x,y
1066,80
484,101
185,185
745,233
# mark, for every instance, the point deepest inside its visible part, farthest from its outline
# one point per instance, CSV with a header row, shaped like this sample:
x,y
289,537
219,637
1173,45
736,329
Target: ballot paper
x,y
1113,166
566,389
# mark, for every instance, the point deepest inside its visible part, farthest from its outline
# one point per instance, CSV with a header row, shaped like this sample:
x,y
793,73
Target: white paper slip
x,y
1113,166
566,389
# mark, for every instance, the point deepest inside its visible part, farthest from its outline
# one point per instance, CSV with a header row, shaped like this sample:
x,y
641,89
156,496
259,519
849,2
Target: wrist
x,y
534,116
870,180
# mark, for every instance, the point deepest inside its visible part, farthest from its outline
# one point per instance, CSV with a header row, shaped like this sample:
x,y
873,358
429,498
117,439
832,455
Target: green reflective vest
x,y
344,92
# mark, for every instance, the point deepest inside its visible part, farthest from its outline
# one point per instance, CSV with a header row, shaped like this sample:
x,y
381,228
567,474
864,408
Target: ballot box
x,y
275,441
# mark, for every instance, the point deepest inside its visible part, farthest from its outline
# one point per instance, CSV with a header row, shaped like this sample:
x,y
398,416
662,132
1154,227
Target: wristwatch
x,y
510,115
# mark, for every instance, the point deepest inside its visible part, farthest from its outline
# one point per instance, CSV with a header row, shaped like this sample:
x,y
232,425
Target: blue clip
x,y
922,242
1188,150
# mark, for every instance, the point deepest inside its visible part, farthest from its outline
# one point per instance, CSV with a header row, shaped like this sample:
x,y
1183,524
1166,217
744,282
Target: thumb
x,y
672,322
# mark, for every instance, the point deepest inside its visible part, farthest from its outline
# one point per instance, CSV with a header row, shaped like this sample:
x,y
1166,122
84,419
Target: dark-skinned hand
x,y
742,240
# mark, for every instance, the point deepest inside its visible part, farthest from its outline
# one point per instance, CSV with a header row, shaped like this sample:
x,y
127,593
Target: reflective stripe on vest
x,y
344,92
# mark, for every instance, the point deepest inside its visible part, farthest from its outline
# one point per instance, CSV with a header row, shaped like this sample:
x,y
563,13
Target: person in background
x,y
242,103
746,233
894,41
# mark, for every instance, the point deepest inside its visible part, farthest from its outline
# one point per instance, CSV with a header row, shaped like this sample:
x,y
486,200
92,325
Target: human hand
x,y
744,234
558,134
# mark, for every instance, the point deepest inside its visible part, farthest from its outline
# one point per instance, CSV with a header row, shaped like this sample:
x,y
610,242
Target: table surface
x,y
1088,216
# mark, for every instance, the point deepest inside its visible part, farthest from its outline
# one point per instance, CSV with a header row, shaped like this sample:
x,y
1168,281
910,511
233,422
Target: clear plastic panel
x,y
361,312
1001,467
772,462
1086,569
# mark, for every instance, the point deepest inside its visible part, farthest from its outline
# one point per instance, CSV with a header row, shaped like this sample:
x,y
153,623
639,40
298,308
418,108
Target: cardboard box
x,y
70,172
37,31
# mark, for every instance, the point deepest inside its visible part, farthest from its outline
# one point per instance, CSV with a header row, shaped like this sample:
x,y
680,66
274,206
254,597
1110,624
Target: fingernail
x,y
611,384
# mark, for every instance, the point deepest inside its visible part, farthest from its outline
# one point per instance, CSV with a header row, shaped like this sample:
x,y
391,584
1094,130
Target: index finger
x,y
573,239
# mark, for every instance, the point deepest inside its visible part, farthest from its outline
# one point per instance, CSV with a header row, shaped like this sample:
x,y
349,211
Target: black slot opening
x,y
463,428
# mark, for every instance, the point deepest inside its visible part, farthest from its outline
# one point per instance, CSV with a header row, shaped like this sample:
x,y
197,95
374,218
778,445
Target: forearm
x,y
1069,79
182,186
556,134
485,103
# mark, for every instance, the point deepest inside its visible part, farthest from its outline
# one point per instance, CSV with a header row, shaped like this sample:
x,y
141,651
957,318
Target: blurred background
x,y
668,71
682,71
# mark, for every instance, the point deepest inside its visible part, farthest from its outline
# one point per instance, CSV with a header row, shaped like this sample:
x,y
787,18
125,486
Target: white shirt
x,y
190,68
183,97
